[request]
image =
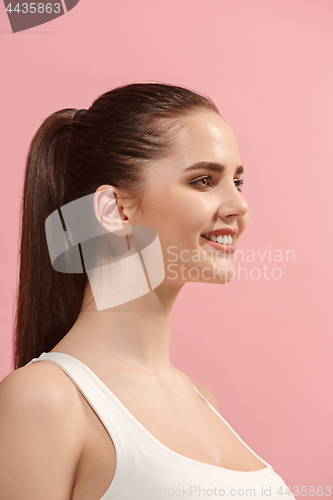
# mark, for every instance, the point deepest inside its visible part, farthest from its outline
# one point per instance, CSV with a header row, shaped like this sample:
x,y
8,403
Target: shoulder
x,y
41,432
206,394
41,383
40,390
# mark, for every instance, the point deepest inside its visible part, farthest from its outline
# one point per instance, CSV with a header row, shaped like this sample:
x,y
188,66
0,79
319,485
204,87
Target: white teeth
x,y
226,240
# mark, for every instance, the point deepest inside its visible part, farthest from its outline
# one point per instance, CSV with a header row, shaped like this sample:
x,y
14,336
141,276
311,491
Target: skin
x,y
130,334
128,346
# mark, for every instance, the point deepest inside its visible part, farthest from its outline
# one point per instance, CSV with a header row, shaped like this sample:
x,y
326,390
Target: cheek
x,y
176,216
190,218
243,222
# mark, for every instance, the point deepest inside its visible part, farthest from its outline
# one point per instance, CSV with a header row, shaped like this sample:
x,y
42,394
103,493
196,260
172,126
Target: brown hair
x,y
110,143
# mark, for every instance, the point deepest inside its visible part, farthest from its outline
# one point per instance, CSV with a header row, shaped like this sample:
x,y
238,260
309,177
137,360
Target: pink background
x,y
262,346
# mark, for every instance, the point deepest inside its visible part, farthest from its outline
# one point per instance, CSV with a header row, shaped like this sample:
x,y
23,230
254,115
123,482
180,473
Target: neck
x,y
134,334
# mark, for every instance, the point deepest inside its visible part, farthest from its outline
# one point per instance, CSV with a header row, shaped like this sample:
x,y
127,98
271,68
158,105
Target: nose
x,y
232,205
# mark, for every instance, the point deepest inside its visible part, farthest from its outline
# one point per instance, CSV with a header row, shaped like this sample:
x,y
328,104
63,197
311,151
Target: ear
x,y
109,206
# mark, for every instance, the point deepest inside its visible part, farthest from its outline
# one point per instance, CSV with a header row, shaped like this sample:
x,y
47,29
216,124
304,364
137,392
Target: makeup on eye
x,y
238,182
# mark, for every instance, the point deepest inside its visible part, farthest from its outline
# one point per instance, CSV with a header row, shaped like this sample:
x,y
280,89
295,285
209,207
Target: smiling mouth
x,y
224,247
222,239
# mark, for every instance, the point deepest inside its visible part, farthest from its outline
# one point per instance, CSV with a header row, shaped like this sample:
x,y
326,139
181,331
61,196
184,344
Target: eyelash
x,y
240,182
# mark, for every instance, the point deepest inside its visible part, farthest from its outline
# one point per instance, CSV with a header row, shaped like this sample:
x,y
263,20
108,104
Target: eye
x,y
204,178
239,182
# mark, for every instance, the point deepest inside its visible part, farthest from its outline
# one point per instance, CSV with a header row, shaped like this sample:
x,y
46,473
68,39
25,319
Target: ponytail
x,y
48,302
123,132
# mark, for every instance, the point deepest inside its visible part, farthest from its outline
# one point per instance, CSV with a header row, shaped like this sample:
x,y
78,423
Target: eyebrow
x,y
213,167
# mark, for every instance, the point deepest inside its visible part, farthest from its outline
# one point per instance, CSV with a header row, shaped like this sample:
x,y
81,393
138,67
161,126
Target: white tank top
x,y
147,468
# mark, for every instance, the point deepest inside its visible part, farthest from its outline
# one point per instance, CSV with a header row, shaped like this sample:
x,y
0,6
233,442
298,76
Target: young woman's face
x,y
183,204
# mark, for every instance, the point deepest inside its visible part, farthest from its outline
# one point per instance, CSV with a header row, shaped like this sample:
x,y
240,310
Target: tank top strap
x,y
125,432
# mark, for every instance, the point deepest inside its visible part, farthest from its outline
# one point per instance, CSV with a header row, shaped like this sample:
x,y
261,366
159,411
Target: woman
x,y
106,414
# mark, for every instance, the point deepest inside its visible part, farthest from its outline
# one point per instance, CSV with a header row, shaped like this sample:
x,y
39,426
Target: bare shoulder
x,y
42,393
207,394
43,383
41,436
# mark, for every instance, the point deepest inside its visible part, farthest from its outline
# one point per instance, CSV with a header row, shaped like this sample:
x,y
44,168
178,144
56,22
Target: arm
x,y
40,439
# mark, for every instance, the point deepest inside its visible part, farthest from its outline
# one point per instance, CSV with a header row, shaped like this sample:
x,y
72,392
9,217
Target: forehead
x,y
203,136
